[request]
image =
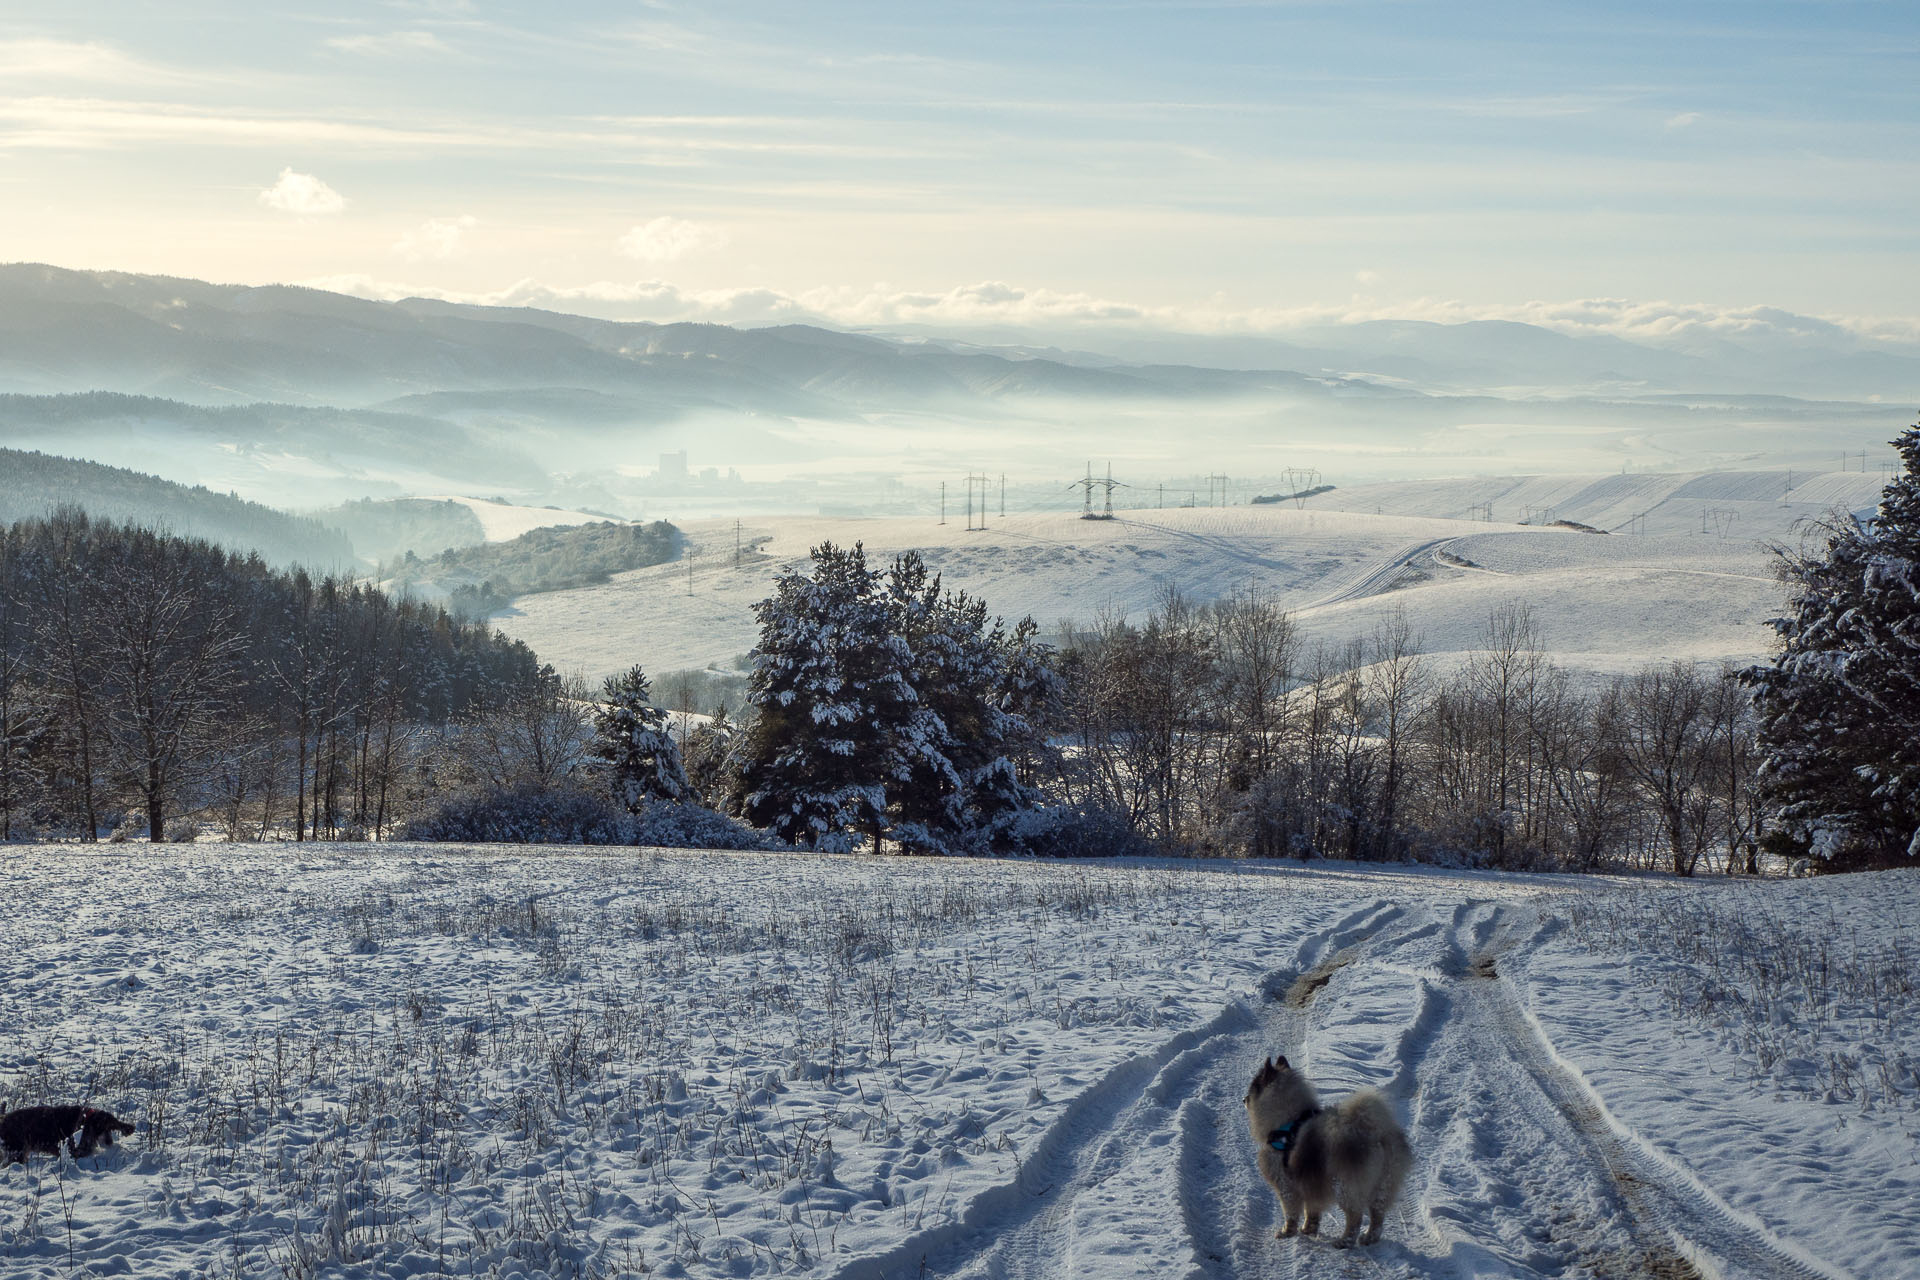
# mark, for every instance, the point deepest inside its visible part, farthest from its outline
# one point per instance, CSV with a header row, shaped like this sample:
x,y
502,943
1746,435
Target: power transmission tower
x,y
1299,480
1222,481
1481,511
943,502
736,544
690,554
1087,486
1111,484
1086,491
1003,495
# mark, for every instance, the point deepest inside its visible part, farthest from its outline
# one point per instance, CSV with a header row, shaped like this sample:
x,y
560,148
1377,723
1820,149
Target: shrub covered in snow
x,y
690,826
570,815
525,814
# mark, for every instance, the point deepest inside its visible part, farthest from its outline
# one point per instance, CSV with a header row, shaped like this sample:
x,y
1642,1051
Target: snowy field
x,y
434,1060
1687,574
504,521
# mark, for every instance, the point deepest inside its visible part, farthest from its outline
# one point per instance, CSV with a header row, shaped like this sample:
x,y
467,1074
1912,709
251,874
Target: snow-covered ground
x,y
1687,573
435,1060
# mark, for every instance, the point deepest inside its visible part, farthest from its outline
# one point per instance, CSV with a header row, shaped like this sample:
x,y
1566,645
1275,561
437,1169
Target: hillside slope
x,y
32,484
1604,603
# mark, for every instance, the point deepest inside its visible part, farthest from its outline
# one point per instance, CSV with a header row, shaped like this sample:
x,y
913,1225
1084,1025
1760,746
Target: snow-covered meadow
x,y
1686,571
438,1060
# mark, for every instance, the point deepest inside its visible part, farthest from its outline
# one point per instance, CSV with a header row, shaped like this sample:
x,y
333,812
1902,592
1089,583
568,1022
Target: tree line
x,y
142,674
1218,728
884,711
482,578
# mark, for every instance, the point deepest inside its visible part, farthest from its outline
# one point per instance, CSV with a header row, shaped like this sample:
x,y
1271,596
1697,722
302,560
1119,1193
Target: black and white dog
x,y
44,1130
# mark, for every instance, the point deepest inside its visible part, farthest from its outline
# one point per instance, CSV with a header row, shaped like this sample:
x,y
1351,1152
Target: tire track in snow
x,y
1109,1151
1520,1170
1715,1239
1375,580
1218,1149
1026,1227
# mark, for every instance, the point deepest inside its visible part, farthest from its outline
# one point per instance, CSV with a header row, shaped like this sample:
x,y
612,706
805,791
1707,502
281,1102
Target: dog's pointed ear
x,y
1280,1061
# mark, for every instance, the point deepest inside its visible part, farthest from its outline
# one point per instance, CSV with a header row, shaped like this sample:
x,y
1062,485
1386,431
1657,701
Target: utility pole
x,y
943,502
984,481
1160,502
736,544
1003,495
689,570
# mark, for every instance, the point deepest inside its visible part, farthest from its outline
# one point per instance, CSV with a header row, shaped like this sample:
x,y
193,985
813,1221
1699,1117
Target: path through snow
x,y
604,1064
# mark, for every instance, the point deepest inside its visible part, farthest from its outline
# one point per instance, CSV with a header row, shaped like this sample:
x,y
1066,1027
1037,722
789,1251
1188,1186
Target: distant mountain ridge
x,y
68,331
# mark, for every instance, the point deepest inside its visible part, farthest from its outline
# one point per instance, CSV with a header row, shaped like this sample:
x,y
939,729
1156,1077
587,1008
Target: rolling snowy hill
x,y
1697,585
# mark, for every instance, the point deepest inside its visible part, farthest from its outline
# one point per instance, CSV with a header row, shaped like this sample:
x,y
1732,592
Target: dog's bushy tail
x,y
1367,1113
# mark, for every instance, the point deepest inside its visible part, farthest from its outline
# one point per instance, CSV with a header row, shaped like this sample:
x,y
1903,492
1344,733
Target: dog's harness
x,y
1281,1139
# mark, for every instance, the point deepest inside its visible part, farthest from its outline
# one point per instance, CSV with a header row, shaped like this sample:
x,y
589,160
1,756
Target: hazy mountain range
x,y
302,397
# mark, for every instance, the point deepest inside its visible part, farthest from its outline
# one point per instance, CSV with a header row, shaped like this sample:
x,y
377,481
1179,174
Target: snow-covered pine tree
x,y
1839,705
960,783
831,696
927,787
631,737
1027,696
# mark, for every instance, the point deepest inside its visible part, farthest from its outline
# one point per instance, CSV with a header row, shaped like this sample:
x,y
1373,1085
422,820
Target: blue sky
x,y
1236,166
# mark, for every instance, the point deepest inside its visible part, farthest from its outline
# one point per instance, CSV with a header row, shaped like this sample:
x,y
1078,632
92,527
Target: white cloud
x,y
669,239
436,239
1682,120
302,194
391,44
997,304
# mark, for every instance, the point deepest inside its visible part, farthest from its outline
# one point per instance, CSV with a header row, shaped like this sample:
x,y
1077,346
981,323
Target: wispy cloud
x,y
78,60
390,44
669,239
302,194
436,239
1683,119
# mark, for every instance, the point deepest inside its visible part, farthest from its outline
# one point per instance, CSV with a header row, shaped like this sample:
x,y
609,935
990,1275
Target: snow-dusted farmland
x,y
434,1060
1687,575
